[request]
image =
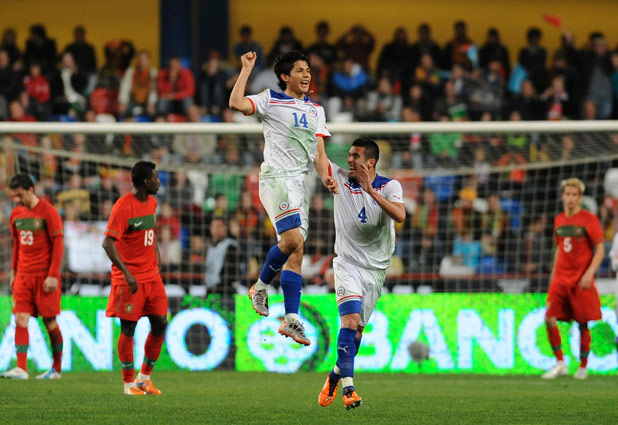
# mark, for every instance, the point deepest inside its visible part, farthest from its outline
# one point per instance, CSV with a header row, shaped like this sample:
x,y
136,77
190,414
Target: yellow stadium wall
x,y
511,17
105,20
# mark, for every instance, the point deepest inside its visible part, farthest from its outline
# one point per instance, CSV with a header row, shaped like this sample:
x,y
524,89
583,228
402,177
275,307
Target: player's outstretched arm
x,y
238,101
323,167
109,245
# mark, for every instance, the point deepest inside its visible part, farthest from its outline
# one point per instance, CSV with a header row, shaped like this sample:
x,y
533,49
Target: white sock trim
x,y
259,285
291,318
348,381
141,377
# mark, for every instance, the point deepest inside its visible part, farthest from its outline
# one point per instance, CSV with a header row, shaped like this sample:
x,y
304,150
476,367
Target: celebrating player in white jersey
x,y
294,128
365,214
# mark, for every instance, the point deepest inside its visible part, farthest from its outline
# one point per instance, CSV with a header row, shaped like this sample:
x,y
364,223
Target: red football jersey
x,y
575,237
132,224
33,230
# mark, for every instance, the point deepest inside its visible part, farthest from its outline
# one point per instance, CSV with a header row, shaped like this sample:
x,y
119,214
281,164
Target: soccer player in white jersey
x,y
294,128
366,210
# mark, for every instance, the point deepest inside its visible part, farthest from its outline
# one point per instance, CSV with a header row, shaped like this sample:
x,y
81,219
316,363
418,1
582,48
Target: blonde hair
x,y
574,182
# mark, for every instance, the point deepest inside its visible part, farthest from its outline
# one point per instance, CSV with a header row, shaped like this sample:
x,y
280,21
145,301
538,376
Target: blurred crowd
x,y
212,230
414,79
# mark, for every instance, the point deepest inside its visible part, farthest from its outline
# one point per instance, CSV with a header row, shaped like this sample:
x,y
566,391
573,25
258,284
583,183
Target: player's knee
x,y
127,328
21,320
158,325
50,323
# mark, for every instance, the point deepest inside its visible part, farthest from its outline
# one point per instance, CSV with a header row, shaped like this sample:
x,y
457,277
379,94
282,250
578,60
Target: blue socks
x,y
274,261
291,285
335,376
346,350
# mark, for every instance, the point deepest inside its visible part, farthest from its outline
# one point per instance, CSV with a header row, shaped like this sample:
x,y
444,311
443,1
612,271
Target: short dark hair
x,y
533,33
21,181
141,171
285,63
371,148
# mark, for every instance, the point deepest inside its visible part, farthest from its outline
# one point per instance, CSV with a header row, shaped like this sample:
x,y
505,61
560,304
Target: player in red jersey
x,y
137,287
572,294
36,227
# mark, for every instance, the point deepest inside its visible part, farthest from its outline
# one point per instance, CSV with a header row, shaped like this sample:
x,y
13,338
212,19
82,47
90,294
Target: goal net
x,y
480,200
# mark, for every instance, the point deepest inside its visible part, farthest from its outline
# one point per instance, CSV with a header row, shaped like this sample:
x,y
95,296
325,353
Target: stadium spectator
x,y
76,194
394,59
138,88
214,85
103,196
321,47
450,105
527,103
176,88
9,43
196,148
555,98
179,193
286,42
357,45
71,85
41,49
533,58
427,75
444,148
460,49
382,104
424,45
419,103
223,264
320,79
349,85
84,56
38,90
466,220
494,222
118,56
248,44
193,262
264,79
170,249
10,83
322,221
422,234
494,51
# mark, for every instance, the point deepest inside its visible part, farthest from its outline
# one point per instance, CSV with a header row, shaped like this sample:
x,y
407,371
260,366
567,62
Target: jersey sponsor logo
x,y
142,223
30,224
284,206
572,231
340,292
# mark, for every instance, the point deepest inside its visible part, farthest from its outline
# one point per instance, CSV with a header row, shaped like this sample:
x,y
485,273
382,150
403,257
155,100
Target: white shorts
x,y
287,203
355,283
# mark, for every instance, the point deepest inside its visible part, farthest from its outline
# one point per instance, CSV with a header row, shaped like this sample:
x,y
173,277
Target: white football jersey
x,y
365,234
290,129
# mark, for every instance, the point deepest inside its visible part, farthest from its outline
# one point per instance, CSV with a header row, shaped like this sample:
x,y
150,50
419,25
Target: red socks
x,y
152,349
556,342
584,347
22,340
125,354
55,338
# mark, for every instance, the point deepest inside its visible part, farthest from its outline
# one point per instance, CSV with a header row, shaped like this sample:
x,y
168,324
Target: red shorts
x,y
150,299
29,297
568,303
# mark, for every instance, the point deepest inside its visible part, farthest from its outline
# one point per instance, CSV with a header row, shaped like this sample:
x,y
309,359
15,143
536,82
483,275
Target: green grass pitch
x,y
262,398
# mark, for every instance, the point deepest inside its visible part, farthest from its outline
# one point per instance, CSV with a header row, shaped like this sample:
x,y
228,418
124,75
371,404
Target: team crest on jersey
x,y
340,292
128,308
284,205
313,112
